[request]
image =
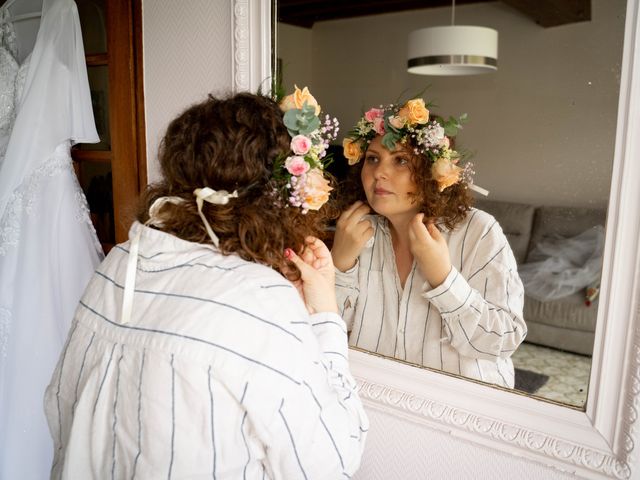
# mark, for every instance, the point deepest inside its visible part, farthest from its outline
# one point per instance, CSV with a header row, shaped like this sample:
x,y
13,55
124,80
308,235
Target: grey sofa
x,y
567,323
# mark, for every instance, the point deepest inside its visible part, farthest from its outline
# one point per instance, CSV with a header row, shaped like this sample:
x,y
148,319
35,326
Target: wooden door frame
x,y
126,107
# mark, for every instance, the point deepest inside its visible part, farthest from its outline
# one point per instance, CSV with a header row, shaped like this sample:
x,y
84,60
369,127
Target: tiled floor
x,y
568,373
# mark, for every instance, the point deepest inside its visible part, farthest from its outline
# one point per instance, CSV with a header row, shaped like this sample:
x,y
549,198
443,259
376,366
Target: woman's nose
x,y
381,171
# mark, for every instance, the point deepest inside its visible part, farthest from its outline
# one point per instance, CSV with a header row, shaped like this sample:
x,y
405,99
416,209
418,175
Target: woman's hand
x,y
352,234
317,283
430,250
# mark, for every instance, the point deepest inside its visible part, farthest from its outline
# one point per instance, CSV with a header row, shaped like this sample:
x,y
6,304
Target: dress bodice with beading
x,y
8,73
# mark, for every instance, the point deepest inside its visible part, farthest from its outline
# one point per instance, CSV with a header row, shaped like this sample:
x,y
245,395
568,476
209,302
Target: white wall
x,y
400,450
187,54
294,48
180,68
541,128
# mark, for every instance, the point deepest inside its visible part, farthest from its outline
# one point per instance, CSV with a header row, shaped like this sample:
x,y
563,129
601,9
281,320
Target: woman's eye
x,y
370,159
402,161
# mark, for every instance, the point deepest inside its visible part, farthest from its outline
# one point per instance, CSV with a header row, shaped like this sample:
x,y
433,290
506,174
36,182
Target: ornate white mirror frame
x,y
594,443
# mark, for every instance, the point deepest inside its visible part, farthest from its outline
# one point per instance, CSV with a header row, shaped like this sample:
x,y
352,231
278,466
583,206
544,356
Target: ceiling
x,y
304,13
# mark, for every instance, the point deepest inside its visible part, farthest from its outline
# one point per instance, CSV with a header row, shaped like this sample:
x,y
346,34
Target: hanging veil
x,y
48,248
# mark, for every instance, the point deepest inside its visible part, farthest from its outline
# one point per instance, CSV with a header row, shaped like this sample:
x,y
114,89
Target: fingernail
x,y
288,253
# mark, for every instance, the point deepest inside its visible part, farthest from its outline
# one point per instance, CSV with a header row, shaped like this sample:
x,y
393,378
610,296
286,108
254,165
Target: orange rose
x,y
445,172
297,99
415,111
316,189
352,150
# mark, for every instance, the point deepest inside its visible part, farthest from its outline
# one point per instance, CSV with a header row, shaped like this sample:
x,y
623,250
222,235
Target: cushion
x,y
568,312
566,324
516,220
576,341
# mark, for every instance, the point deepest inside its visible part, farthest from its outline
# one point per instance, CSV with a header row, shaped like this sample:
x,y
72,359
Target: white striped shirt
x,y
221,373
470,325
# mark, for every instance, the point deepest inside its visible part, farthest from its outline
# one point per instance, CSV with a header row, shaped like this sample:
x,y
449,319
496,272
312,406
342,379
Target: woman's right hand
x,y
352,234
317,276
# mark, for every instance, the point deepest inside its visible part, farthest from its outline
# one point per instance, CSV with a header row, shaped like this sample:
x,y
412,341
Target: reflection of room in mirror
x,y
537,145
553,374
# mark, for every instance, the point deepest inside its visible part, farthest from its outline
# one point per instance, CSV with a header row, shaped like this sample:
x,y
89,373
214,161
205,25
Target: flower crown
x,y
409,125
299,174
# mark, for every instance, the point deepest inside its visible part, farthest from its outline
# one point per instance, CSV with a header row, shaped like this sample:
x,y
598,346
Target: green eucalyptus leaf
x,y
309,125
389,140
291,119
450,130
308,109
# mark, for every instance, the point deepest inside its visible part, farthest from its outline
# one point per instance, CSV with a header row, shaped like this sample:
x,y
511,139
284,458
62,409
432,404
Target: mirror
x,y
542,132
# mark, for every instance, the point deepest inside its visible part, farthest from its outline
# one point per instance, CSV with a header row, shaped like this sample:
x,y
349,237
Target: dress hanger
x,y
25,16
7,4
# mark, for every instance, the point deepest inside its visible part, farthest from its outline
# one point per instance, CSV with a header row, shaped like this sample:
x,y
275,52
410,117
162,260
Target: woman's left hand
x,y
430,250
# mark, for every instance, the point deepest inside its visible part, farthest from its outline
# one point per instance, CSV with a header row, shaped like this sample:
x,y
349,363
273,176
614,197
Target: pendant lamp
x,y
453,50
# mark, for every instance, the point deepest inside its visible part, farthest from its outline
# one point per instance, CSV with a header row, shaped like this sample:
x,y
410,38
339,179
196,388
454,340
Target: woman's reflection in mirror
x,y
422,276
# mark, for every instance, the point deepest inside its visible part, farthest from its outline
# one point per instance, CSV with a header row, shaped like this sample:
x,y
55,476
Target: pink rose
x,y
372,114
444,143
300,145
296,165
396,122
378,125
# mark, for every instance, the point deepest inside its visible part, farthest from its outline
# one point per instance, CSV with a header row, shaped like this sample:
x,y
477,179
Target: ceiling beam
x,y
552,13
304,13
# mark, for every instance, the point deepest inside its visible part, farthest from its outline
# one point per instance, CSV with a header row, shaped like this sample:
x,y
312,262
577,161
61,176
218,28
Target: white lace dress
x,y
48,247
8,71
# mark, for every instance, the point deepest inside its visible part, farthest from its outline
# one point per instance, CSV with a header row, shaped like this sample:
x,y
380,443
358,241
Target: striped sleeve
x,y
317,426
482,314
347,292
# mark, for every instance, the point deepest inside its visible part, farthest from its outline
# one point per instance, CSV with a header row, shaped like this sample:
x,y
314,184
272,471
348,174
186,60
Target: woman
x,y
191,355
426,278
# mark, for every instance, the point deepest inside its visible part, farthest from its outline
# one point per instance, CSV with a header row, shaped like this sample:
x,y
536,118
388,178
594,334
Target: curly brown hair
x,y
231,144
449,206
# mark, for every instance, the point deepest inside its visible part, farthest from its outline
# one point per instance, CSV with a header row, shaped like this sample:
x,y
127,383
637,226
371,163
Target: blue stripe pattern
x,y
84,359
244,438
139,452
326,429
293,443
64,356
104,377
194,339
115,416
213,435
173,416
190,297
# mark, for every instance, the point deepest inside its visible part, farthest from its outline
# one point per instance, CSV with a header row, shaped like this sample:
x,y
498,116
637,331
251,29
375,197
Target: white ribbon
x,y
156,206
130,279
478,189
132,261
202,195
210,195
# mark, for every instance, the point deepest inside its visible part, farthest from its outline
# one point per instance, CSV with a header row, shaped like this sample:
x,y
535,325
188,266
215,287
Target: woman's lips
x,y
381,191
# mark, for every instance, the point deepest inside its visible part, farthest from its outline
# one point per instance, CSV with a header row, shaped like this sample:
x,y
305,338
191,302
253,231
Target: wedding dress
x,y
8,70
48,247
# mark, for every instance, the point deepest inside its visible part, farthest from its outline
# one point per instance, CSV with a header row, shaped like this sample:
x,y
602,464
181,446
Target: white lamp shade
x,y
453,50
